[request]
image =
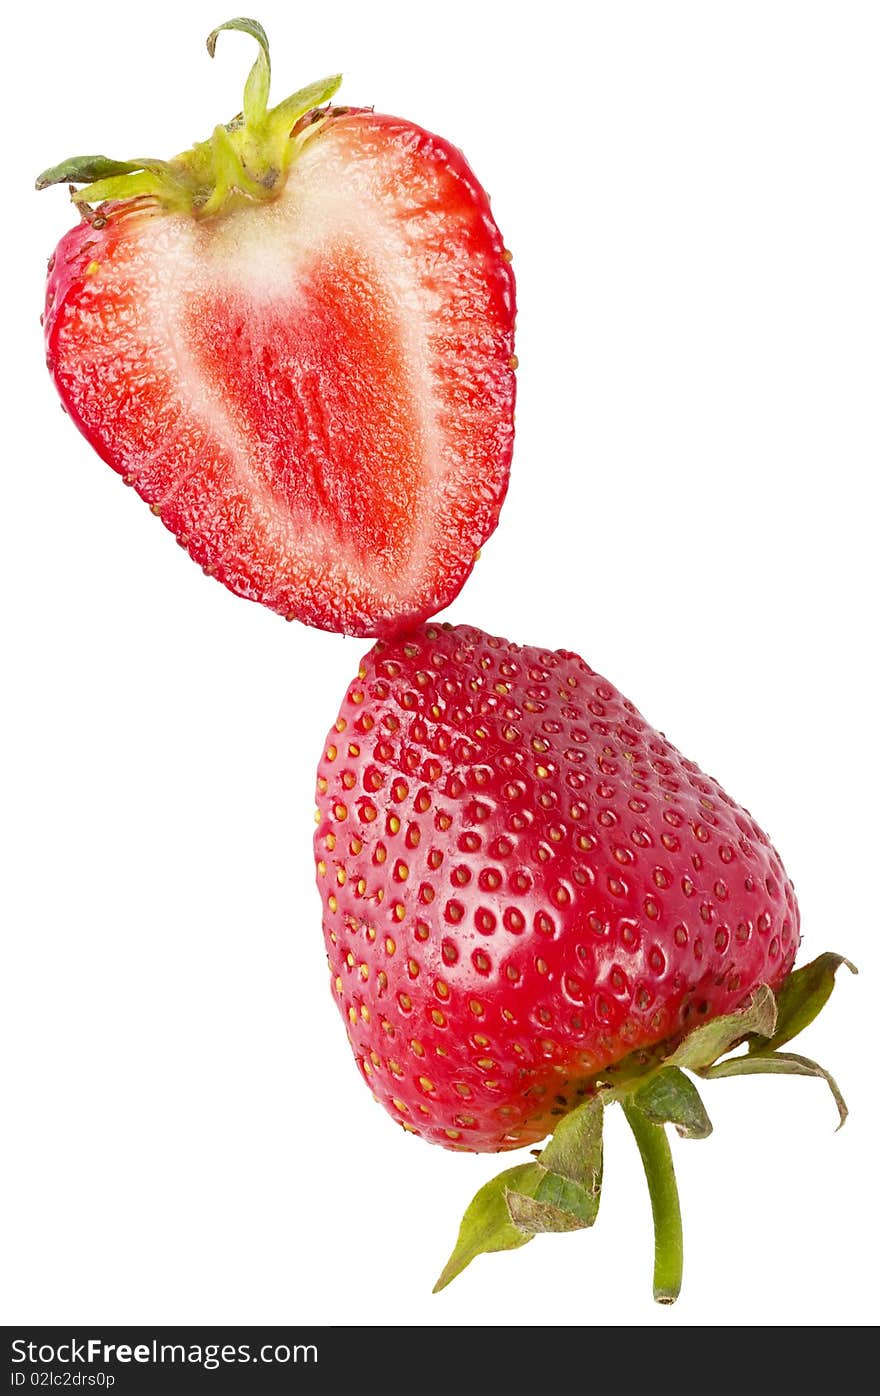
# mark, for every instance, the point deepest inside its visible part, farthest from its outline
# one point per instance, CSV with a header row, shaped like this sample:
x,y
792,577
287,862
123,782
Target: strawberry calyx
x,y
560,1190
245,161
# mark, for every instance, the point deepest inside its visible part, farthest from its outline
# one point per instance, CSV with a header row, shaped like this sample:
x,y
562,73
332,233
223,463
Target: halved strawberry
x,y
296,342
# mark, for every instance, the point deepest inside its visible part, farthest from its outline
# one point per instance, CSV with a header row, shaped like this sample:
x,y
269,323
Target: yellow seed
x,y
322,868
322,785
417,1047
394,824
476,1007
426,1084
340,876
365,1013
337,984
352,1013
438,1018
341,724
399,1105
390,946
399,911
330,842
332,903
331,753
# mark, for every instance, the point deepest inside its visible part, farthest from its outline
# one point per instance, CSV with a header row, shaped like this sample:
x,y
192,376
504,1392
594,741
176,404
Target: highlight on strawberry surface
x,y
295,341
534,907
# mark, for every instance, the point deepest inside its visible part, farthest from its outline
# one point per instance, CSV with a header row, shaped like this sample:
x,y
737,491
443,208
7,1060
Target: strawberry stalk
x,y
665,1206
247,160
560,1191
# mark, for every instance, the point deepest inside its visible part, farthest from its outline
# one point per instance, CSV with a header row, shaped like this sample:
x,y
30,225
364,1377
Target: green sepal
x,y
558,1193
779,1063
486,1225
706,1043
86,169
670,1097
287,113
256,89
558,1205
575,1147
245,160
567,1196
800,998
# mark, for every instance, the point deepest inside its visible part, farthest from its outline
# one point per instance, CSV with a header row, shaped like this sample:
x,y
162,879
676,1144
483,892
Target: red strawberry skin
x,y
315,394
523,882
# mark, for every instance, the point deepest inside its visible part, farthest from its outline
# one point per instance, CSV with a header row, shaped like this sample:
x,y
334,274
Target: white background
x,y
690,193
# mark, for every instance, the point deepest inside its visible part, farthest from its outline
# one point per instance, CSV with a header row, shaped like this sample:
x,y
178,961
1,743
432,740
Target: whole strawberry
x,y
295,341
534,904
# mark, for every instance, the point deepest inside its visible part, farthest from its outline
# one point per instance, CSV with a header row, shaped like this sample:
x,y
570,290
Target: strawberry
x,y
295,341
535,905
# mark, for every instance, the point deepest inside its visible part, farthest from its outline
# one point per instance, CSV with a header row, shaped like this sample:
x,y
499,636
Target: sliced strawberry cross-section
x,y
296,342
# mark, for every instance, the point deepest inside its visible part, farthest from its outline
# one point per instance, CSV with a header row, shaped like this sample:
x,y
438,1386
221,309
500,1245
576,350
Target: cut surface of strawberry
x,y
310,381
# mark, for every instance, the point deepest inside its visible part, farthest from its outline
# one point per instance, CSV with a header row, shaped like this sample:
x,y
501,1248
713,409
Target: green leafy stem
x,y
560,1190
244,161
